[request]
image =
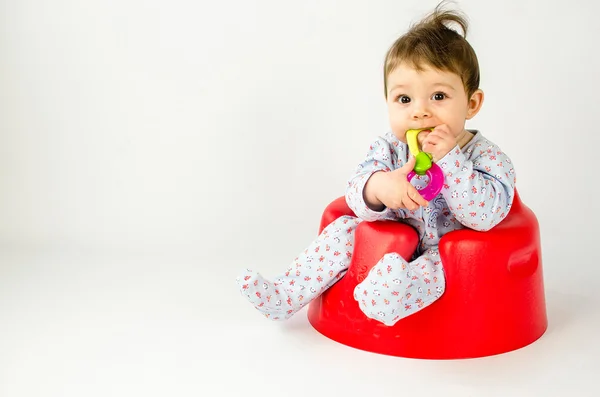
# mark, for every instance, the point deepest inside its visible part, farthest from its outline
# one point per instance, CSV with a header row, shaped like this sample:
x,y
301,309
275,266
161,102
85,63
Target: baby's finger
x,y
416,197
428,147
434,138
409,203
441,130
409,165
422,136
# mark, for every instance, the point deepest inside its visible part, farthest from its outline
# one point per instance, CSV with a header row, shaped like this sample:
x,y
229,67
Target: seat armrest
x,y
333,211
514,241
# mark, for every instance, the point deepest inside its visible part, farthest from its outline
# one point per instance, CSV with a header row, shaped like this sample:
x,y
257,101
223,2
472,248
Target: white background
x,y
149,150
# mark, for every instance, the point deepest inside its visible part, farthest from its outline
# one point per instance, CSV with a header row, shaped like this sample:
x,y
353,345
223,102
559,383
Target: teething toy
x,y
424,166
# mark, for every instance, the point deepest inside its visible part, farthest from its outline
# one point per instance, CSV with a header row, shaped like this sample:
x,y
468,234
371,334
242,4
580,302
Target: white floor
x,y
75,326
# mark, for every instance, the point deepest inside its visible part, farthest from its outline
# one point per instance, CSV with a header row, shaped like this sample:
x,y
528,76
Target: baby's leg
x,y
323,263
395,289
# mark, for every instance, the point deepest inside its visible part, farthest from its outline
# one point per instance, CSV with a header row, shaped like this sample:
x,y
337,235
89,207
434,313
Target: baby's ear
x,y
475,103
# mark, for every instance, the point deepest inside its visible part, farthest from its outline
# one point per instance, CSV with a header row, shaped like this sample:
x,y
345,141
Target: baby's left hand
x,y
439,142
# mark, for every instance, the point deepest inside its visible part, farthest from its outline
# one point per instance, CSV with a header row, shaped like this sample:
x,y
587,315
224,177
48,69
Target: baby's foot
x,y
267,297
380,295
394,289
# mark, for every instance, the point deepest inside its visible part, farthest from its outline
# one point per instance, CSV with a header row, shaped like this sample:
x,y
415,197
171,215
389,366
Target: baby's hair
x,y
432,43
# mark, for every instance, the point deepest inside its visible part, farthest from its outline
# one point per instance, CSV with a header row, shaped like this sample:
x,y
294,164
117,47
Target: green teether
x,y
423,163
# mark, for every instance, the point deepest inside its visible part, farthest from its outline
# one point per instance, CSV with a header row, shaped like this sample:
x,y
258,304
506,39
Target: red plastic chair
x,y
493,303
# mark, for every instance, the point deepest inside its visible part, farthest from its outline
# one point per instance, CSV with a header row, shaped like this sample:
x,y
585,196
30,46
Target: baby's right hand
x,y
397,192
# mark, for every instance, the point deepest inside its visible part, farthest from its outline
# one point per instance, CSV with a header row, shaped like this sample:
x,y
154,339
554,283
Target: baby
x,y
431,81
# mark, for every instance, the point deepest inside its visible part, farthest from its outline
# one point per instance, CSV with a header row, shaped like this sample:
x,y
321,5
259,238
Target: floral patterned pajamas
x,y
478,192
395,288
323,263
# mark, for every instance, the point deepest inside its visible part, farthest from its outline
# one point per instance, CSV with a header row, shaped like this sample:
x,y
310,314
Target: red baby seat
x,y
493,303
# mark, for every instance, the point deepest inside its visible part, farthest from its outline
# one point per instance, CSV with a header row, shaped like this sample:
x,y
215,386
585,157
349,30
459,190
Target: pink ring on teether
x,y
436,182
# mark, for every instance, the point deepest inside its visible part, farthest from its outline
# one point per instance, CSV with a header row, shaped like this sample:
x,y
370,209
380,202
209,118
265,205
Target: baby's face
x,y
426,99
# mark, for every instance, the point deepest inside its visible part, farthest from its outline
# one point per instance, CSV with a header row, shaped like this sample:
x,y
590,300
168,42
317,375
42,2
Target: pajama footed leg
x,y
266,296
323,263
395,289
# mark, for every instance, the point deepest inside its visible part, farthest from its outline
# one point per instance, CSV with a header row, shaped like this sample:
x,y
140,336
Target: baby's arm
x,y
479,192
380,157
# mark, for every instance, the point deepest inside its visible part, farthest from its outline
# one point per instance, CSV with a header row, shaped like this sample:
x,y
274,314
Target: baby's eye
x,y
439,96
403,99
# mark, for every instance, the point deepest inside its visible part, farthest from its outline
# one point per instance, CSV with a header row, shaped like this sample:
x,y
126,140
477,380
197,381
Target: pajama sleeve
x,y
479,190
380,157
